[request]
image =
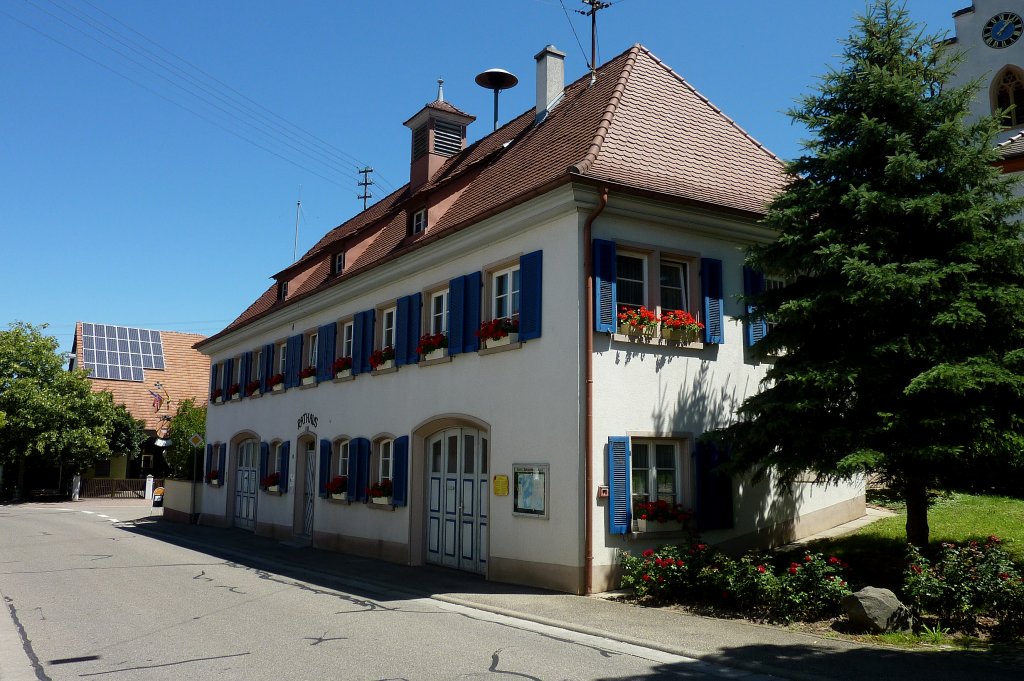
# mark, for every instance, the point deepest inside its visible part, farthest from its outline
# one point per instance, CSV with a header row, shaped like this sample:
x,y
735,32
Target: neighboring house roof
x,y
1012,148
640,127
186,374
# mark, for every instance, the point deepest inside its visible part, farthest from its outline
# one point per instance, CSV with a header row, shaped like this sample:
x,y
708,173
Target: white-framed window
x,y
675,286
658,471
387,327
419,221
257,358
236,370
631,279
282,290
339,262
282,358
385,467
274,465
772,284
439,312
311,344
341,448
347,331
505,293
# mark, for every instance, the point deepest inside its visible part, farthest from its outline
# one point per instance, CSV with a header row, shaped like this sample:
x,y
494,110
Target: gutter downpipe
x,y
588,420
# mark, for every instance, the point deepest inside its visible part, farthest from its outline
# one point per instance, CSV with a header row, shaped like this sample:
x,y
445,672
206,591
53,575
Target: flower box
x,y
504,340
341,496
214,483
273,488
381,500
236,396
643,330
385,365
679,335
218,399
308,380
440,353
344,373
654,526
278,387
383,359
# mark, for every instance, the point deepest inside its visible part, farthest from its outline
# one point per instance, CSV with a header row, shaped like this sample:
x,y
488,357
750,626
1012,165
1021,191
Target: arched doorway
x,y
247,457
457,498
305,486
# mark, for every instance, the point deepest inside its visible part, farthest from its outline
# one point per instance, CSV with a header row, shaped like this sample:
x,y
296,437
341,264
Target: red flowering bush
x,y
213,476
637,317
811,589
380,489
681,320
338,484
251,387
430,342
497,329
342,364
276,379
234,389
660,511
659,574
380,356
217,392
270,480
308,372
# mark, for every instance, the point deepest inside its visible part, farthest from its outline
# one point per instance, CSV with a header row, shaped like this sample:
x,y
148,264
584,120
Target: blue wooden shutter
x,y
293,361
714,303
714,489
245,373
283,464
620,507
531,268
413,330
264,460
400,470
222,461
456,307
362,341
362,452
268,366
325,465
213,379
353,470
326,338
753,285
209,461
605,314
229,372
471,312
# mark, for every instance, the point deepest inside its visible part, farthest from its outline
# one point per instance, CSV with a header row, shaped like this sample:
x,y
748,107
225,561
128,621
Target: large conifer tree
x,y
898,341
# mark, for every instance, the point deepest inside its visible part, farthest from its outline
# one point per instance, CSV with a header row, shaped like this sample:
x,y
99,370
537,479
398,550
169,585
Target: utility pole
x,y
595,7
295,249
365,184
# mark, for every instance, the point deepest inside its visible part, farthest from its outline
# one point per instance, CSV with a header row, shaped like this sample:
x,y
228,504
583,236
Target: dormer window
x,y
282,290
339,263
419,221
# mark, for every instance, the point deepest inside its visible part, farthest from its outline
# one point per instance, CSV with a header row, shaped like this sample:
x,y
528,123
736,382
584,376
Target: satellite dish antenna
x,y
497,80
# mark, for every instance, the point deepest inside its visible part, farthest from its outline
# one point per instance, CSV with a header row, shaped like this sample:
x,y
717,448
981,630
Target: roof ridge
x,y
608,116
709,103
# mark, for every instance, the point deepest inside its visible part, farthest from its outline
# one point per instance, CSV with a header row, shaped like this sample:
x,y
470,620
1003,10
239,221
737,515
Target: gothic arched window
x,y
1009,91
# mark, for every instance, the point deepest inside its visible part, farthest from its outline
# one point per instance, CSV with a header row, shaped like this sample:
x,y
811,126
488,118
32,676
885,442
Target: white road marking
x,y
103,516
89,512
113,520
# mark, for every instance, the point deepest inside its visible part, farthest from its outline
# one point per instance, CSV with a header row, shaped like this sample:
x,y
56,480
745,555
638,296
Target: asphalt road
x,y
86,599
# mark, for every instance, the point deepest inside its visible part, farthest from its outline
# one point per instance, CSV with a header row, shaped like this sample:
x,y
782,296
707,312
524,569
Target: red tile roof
x,y
641,126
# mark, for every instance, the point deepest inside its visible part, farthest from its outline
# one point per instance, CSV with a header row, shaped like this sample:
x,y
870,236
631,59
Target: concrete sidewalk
x,y
731,643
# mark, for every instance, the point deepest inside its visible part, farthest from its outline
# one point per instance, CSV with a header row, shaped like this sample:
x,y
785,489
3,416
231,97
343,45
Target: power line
x,y
573,28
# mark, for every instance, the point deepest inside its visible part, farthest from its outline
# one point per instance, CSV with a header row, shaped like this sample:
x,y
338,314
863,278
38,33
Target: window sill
x,y
254,396
656,341
434,362
343,379
500,348
273,493
379,507
307,386
338,502
282,391
381,372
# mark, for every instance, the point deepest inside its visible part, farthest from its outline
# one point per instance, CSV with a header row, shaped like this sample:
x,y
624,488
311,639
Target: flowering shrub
x,y
637,317
217,392
251,387
659,574
976,579
660,511
497,329
270,480
752,585
338,484
430,342
342,364
380,356
276,379
308,372
812,588
234,389
213,476
681,320
380,489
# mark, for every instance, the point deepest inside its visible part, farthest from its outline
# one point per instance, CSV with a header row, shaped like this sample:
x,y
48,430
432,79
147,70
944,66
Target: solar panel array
x,y
121,352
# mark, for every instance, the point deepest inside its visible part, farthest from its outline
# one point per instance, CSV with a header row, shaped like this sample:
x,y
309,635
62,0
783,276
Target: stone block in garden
x,y
877,610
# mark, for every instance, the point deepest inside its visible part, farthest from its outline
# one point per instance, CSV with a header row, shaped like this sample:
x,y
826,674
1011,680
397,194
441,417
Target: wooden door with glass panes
x,y
245,484
457,499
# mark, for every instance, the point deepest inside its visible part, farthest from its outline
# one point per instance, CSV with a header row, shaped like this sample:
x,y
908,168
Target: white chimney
x,y
550,80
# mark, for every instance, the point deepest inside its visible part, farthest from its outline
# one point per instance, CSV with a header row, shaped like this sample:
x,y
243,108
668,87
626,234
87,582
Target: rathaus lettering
x,y
307,419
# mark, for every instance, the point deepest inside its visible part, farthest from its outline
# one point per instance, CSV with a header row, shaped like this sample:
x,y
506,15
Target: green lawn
x,y
876,553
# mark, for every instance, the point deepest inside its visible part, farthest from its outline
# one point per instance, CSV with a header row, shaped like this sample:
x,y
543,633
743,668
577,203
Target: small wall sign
x,y
308,420
531,490
500,486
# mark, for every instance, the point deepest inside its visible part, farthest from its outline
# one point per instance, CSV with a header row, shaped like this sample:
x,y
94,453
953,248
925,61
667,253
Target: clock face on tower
x,y
1003,30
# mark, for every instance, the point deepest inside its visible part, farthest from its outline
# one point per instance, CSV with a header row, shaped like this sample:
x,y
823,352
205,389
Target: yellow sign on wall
x,y
500,485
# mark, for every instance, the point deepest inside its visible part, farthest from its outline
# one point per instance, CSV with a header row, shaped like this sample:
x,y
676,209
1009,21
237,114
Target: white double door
x,y
457,499
246,473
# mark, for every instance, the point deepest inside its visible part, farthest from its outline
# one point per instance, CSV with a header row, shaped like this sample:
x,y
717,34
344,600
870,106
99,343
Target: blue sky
x,y
155,184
